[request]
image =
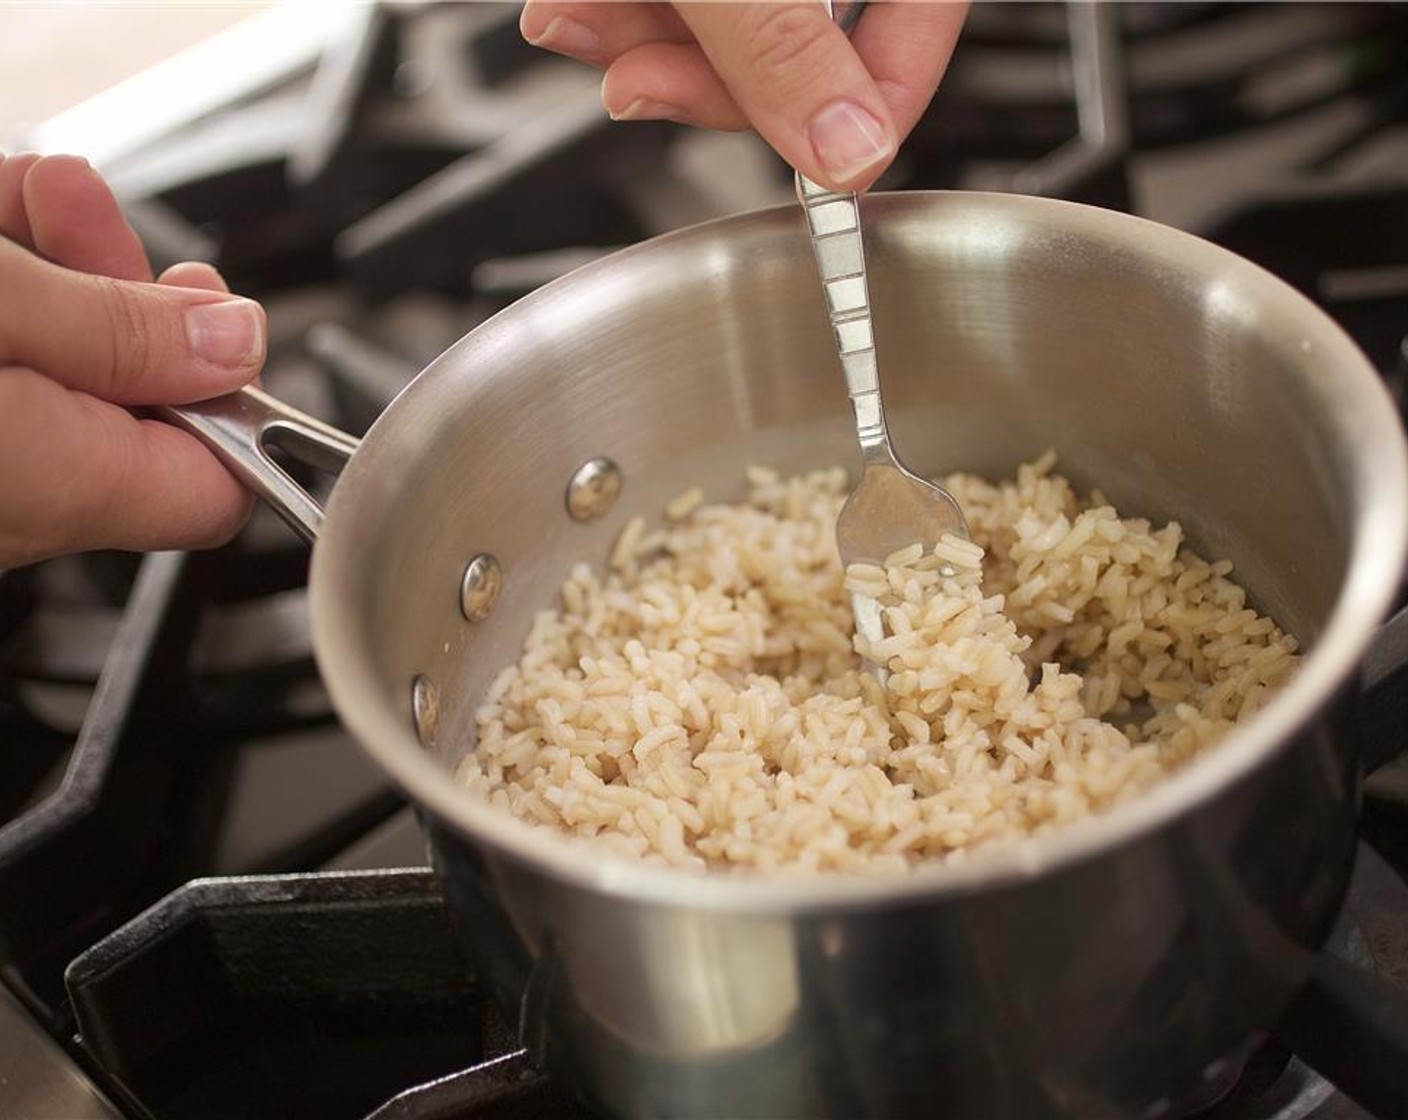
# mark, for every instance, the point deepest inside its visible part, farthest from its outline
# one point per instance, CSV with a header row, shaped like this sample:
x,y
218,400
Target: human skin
x,y
87,336
835,109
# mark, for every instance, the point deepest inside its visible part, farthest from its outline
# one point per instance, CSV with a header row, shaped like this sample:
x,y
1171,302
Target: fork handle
x,y
834,221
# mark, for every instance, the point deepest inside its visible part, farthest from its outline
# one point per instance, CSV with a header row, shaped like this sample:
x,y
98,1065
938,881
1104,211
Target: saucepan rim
x,y
1377,552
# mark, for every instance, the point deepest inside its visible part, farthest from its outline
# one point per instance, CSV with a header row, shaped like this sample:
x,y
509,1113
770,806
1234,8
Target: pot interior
x,y
1181,381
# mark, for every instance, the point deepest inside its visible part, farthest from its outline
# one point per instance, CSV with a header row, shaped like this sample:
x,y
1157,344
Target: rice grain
x,y
702,703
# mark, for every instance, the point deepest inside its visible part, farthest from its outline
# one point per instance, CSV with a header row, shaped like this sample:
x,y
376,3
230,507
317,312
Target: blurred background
x,y
54,55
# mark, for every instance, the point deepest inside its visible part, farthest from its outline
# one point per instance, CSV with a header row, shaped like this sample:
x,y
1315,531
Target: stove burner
x,y
286,979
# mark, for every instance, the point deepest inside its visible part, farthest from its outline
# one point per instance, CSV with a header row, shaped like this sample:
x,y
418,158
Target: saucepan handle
x,y
242,426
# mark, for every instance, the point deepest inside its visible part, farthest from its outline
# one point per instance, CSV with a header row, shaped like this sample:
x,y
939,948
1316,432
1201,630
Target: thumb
x,y
127,342
803,86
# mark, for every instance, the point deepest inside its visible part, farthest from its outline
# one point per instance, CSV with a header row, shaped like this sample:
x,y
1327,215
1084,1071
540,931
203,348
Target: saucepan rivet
x,y
480,587
425,709
593,488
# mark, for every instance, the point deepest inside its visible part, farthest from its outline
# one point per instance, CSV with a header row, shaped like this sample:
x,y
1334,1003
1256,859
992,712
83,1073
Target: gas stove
x,y
210,905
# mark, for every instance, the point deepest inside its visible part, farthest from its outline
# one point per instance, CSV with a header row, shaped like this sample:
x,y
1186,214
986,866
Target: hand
x,y
836,110
84,334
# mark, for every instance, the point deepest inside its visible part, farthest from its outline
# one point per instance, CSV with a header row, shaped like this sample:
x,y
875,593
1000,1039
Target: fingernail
x,y
848,139
229,334
642,110
567,36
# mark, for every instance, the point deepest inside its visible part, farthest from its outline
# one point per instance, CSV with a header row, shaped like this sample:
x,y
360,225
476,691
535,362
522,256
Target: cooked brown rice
x,y
703,705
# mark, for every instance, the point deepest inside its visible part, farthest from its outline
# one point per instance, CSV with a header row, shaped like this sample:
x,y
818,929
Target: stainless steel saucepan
x,y
1121,968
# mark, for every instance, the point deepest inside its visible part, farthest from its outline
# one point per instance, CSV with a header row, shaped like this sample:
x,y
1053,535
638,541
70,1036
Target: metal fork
x,y
891,508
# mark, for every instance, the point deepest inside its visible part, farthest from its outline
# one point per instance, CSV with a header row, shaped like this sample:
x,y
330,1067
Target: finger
x,y
123,341
194,274
906,48
669,81
598,33
14,222
75,221
81,473
802,85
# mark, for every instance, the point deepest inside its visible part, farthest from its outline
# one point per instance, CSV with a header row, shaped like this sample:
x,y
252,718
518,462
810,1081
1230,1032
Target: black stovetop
x,y
210,904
